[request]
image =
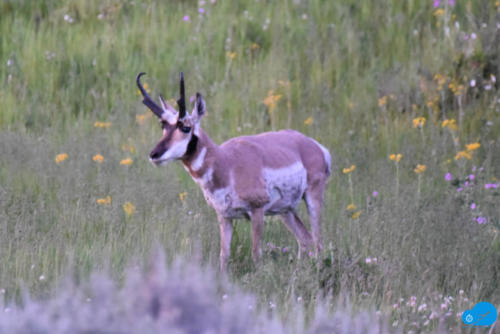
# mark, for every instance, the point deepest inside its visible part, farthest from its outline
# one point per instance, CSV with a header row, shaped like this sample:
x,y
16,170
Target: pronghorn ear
x,y
199,108
198,112
169,112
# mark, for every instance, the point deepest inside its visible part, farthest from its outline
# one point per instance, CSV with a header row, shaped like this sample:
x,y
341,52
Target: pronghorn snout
x,y
156,154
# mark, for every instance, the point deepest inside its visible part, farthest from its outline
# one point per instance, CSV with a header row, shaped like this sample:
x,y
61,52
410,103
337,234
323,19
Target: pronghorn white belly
x,y
285,187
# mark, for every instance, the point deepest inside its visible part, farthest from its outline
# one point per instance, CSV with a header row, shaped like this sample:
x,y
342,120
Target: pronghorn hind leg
x,y
226,233
314,202
295,225
257,218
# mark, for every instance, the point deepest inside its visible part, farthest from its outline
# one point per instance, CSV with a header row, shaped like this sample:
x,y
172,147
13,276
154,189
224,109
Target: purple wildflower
x,y
284,250
451,2
481,220
448,177
201,10
471,177
436,3
488,185
473,206
459,189
186,18
375,193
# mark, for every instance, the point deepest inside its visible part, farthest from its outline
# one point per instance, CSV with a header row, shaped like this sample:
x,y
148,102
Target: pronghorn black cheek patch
x,y
193,143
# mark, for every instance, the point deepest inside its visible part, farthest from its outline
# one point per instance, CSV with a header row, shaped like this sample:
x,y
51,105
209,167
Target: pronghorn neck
x,y
198,158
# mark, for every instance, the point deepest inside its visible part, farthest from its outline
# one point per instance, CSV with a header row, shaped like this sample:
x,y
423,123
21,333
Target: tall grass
x,y
352,74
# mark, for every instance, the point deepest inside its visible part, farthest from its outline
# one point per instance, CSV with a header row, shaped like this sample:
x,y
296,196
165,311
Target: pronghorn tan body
x,y
249,176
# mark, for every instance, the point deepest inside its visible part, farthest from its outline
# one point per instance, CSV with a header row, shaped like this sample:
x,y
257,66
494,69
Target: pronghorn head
x,y
180,130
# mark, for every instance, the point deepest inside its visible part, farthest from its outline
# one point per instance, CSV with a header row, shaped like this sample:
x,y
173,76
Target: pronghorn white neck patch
x,y
200,159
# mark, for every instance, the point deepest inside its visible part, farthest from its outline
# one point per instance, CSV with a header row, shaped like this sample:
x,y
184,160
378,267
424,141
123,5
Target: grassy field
x,y
404,91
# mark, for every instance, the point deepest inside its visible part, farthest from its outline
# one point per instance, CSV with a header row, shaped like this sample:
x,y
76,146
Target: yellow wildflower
x,y
104,201
418,122
129,208
102,124
349,170
497,3
382,101
271,100
254,46
472,146
395,157
356,214
61,157
182,196
98,158
439,12
441,80
126,162
231,55
456,88
308,120
420,169
351,207
463,155
450,124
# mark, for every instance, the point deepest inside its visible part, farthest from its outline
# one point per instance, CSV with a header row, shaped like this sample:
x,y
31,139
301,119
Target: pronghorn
x,y
246,177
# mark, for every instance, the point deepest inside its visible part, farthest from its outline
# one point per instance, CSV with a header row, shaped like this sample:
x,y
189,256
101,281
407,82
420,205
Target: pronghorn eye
x,y
185,129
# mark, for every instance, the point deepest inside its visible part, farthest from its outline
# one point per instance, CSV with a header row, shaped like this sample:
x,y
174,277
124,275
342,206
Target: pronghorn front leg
x,y
257,227
226,232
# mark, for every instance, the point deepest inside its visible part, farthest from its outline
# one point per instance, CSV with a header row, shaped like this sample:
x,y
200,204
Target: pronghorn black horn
x,y
181,102
148,101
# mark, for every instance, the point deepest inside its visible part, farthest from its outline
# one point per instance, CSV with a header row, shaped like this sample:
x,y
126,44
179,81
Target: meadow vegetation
x,y
403,93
